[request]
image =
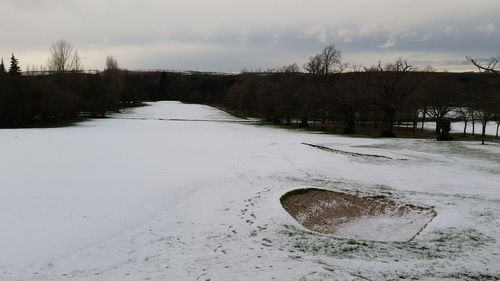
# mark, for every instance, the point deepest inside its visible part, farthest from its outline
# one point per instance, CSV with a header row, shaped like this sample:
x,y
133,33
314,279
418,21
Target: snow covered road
x,y
150,199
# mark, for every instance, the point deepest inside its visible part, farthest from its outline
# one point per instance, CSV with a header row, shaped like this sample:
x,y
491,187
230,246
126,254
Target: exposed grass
x,y
48,124
443,244
475,137
53,124
361,131
234,113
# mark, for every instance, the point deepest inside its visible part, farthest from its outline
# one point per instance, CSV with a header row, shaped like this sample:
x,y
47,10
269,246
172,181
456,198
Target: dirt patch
x,y
349,216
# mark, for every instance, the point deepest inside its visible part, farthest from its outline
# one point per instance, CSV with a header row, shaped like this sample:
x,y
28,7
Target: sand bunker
x,y
349,216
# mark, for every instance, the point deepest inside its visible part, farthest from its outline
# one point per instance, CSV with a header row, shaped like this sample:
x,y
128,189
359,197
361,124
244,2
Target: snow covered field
x,y
145,196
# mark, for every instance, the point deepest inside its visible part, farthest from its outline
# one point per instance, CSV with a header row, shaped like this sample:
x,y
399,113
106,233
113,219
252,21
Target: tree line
x,y
64,91
329,93
381,96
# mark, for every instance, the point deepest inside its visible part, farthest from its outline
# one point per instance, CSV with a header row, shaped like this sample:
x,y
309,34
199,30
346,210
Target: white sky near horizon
x,y
229,35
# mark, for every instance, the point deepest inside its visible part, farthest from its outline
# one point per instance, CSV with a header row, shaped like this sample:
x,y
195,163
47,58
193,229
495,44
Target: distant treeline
x,y
379,96
376,97
39,100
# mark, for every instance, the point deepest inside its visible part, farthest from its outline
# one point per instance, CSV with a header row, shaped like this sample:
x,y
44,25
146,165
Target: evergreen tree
x,y
14,66
2,67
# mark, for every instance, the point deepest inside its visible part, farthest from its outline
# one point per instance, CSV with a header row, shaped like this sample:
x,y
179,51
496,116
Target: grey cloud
x,y
233,34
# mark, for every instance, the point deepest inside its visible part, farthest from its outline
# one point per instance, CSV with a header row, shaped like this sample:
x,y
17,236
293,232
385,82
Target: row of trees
x,y
63,57
35,100
381,96
66,92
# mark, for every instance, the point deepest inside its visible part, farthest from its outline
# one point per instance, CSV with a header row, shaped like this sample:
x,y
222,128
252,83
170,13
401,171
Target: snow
x,y
458,127
387,227
146,196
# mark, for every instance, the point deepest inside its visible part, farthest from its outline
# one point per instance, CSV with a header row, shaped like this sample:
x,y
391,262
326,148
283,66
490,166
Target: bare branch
x,y
64,57
111,64
490,68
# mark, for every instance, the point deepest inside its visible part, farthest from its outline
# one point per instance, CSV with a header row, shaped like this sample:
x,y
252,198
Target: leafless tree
x,y
111,64
328,61
399,65
393,90
491,67
355,67
64,57
43,69
466,114
487,107
291,68
442,97
313,66
331,58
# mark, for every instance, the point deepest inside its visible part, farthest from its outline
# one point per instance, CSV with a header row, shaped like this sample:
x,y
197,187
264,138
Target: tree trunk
x,y
444,130
423,118
465,127
438,126
349,121
498,125
388,124
304,122
349,126
483,135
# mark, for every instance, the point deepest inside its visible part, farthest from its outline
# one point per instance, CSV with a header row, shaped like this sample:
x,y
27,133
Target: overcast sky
x,y
229,35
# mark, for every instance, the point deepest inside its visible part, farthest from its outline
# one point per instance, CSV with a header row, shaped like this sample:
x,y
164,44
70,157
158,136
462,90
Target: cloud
x,y
486,28
345,35
388,44
262,31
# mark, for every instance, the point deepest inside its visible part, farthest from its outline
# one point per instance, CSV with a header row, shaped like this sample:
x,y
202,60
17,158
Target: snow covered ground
x,y
458,127
142,197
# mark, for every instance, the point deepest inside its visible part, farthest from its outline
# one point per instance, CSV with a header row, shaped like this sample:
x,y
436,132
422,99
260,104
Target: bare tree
x,y
328,61
393,89
291,68
355,67
486,101
313,66
64,57
443,95
331,58
491,67
111,64
466,114
43,69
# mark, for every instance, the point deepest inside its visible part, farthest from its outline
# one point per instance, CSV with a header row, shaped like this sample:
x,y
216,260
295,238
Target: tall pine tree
x,y
14,66
2,67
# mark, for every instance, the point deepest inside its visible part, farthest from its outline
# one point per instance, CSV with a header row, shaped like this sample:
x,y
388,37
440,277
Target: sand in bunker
x,y
349,216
